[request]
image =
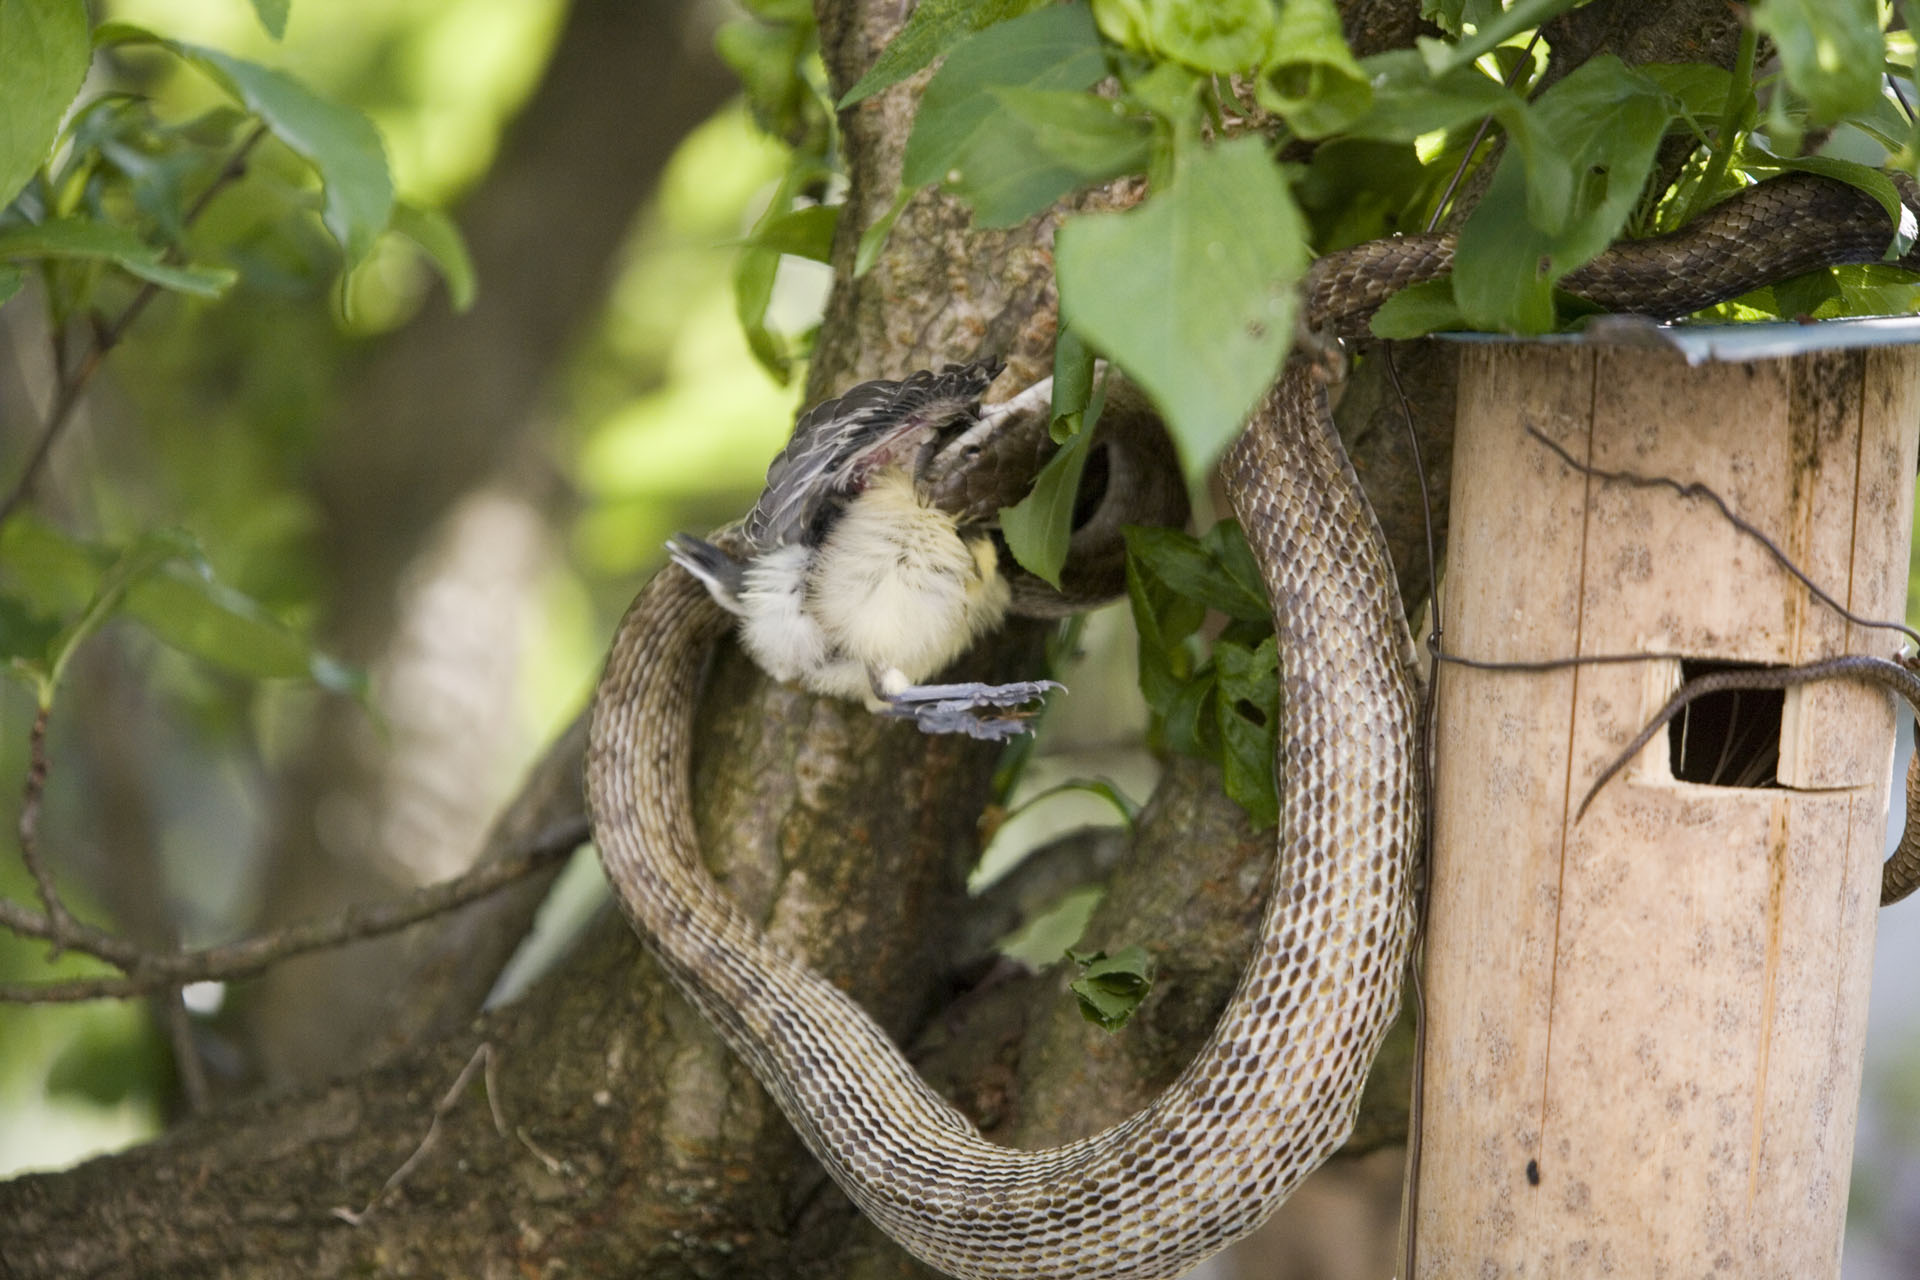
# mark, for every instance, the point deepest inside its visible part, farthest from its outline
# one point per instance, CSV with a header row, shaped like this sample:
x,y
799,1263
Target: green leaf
x,y
1163,619
81,238
273,16
44,53
806,232
1558,200
24,633
1409,102
874,238
1216,36
121,576
935,27
1073,370
1189,725
1419,310
1226,544
187,608
770,57
1197,569
337,140
164,582
1040,145
437,236
1203,312
1249,715
1052,48
1111,987
1442,56
753,276
11,278
1590,147
1038,527
1313,81
1830,50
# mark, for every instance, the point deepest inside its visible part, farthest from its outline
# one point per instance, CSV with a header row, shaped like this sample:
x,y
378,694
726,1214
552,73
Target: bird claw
x,y
957,708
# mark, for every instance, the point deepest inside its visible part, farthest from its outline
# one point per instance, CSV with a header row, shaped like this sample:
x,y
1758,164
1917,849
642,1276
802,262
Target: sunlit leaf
x,y
1052,48
44,52
1038,527
1311,78
1216,36
337,140
806,232
1443,56
1418,310
1830,50
444,246
1560,200
1409,101
934,27
1203,313
1041,145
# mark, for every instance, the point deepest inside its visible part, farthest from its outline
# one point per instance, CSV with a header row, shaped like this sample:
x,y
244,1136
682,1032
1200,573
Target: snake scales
x,y
1274,1091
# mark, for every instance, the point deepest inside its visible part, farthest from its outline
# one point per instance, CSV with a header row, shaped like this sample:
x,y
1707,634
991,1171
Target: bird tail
x,y
721,574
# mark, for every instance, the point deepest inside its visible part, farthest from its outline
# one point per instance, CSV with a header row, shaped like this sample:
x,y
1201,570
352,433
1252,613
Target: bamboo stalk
x,y
1646,1028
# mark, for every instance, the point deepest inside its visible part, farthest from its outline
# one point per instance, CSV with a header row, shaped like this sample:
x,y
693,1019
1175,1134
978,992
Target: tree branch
x,y
159,971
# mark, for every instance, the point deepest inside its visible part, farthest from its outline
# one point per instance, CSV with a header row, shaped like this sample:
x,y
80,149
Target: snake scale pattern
x,y
1276,1087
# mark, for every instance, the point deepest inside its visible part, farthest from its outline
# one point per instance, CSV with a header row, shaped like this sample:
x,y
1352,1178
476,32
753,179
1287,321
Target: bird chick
x,y
854,584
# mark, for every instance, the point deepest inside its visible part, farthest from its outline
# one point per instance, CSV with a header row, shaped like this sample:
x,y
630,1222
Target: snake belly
x,y
1275,1090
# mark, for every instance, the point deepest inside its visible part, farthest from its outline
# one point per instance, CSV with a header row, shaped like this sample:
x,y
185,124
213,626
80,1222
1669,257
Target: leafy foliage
x,y
1218,700
1111,987
102,207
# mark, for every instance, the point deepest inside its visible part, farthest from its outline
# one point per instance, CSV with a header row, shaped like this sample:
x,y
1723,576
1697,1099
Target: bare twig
x,y
73,383
149,972
482,1059
60,924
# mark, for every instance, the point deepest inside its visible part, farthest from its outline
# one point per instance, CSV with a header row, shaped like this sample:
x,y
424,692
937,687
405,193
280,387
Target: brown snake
x,y
1275,1089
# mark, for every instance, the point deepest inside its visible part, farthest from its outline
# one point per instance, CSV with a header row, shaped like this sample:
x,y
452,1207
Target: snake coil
x,y
1275,1089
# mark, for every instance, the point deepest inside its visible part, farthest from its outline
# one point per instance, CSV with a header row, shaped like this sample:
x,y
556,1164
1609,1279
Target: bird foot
x,y
961,708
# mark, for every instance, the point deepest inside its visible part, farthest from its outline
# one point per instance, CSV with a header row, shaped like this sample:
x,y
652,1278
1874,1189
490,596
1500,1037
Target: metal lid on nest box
x,y
1727,343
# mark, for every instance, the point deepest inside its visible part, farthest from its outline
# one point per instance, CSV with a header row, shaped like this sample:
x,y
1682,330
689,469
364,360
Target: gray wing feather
x,y
818,467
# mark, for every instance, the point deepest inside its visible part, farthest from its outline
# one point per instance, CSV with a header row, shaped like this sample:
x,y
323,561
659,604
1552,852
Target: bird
x,y
849,580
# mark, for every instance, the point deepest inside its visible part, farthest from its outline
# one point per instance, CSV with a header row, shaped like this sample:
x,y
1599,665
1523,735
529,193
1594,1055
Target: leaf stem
x,y
1733,119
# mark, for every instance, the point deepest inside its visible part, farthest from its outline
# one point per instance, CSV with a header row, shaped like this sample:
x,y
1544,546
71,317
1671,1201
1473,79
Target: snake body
x,y
1275,1089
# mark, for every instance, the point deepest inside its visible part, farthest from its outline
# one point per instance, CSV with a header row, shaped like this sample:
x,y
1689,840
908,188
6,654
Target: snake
x,y
1275,1089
